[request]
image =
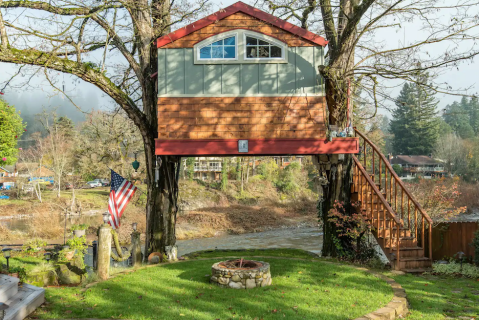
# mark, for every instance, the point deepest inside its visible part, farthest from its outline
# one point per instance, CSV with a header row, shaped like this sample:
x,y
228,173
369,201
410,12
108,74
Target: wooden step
x,y
413,263
403,241
8,287
410,252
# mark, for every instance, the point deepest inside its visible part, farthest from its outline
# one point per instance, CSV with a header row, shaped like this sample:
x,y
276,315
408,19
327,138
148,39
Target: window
x,y
260,49
221,49
240,46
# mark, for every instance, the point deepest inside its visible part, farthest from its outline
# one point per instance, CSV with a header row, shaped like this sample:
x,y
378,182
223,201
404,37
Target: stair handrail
x,y
395,176
377,191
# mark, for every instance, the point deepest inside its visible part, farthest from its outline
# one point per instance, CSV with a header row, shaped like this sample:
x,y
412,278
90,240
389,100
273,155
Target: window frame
x,y
212,40
240,48
260,36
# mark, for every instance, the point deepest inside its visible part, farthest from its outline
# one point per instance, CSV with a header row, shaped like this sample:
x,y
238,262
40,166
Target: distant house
x,y
34,171
283,162
208,168
8,176
415,166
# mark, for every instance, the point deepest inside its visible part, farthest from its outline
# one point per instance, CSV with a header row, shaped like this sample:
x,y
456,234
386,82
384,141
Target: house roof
x,y
417,160
247,9
5,169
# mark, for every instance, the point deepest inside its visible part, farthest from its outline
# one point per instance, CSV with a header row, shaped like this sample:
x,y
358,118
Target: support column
x,y
104,251
135,249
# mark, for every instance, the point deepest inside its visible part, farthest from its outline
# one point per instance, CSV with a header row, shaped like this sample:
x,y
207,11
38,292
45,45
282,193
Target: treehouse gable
x,y
242,81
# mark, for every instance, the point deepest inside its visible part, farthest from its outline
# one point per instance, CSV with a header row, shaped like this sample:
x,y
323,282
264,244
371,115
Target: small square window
x,y
230,41
205,53
229,52
217,52
275,52
251,52
263,52
251,41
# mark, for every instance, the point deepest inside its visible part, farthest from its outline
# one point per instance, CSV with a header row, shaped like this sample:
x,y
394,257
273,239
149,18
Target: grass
x,y
300,290
439,297
26,262
284,253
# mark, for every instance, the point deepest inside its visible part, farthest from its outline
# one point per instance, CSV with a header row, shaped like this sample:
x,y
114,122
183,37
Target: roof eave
x,y
241,7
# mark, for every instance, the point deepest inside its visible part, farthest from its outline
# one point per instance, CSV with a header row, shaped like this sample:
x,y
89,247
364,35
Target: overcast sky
x,y
464,76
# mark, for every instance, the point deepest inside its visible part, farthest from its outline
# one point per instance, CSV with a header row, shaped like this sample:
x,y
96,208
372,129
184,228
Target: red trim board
x,y
241,7
211,147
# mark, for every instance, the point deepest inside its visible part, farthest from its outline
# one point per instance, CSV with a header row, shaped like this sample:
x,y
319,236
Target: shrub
x,y
43,267
82,226
34,245
398,169
269,170
454,268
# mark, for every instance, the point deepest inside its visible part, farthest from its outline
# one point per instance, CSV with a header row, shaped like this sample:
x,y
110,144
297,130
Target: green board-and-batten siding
x,y
178,75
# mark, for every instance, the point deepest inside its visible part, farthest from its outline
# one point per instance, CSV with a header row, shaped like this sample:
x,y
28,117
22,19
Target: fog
x,y
32,103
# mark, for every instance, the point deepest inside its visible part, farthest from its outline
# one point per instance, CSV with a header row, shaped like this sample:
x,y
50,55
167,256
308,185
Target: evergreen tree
x,y
457,117
190,168
415,125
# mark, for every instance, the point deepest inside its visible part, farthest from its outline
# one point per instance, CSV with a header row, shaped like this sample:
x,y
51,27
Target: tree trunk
x,y
338,188
339,174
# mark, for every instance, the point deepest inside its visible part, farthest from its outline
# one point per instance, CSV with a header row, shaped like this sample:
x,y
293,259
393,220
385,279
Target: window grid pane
x,y
221,49
256,48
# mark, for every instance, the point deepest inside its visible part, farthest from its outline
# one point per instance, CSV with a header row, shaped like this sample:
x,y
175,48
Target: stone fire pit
x,y
241,274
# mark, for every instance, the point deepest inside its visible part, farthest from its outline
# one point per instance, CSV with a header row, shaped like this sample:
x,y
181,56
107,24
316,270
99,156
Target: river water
x,y
309,239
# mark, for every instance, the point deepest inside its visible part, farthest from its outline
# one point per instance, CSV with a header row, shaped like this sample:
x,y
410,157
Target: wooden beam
x,y
229,147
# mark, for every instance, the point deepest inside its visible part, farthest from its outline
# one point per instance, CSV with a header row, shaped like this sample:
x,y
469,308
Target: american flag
x,y
121,192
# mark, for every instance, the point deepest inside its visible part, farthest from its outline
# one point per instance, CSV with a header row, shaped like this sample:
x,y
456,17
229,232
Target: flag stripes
x,y
121,192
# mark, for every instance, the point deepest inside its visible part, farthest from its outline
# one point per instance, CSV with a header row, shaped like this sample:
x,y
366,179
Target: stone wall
x,y
241,278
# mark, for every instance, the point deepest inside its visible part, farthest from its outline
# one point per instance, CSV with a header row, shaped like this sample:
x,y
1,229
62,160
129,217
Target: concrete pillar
x,y
104,252
135,249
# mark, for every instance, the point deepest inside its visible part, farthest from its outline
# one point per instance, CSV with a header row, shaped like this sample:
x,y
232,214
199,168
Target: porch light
x,y
106,217
460,255
135,164
134,225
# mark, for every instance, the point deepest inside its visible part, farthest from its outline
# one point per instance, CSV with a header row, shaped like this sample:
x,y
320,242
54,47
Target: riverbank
x,y
204,212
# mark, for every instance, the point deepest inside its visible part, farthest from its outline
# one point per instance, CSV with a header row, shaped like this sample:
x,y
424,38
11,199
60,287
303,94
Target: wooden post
x,y
135,249
104,252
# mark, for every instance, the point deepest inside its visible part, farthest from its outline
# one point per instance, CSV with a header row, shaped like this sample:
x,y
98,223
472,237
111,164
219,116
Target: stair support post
x,y
430,241
104,251
422,233
397,249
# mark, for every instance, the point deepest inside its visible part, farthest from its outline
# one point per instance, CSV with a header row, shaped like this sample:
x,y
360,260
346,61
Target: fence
x,y
449,238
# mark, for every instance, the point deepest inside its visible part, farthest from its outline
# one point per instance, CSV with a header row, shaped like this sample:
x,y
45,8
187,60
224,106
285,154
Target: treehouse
x,y
243,82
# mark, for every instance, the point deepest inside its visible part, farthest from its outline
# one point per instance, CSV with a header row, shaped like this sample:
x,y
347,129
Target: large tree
x,y
360,59
11,128
415,125
110,44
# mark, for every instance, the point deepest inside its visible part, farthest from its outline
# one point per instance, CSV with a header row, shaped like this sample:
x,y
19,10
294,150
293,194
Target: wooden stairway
x,y
397,220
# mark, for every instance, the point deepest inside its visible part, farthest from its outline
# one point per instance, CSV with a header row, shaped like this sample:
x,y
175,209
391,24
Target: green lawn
x,y
284,253
300,290
435,297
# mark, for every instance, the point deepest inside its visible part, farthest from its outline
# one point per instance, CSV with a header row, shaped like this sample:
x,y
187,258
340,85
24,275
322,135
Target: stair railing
x,y
396,194
372,200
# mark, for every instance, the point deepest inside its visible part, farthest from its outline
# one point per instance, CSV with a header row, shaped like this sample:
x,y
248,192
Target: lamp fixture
x,y
6,253
106,217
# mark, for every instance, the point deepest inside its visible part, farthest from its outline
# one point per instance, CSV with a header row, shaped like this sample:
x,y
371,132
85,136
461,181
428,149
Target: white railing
x,y
207,168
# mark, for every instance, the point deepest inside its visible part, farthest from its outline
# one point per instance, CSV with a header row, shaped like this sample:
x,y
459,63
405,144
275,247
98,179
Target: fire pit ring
x,y
241,274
